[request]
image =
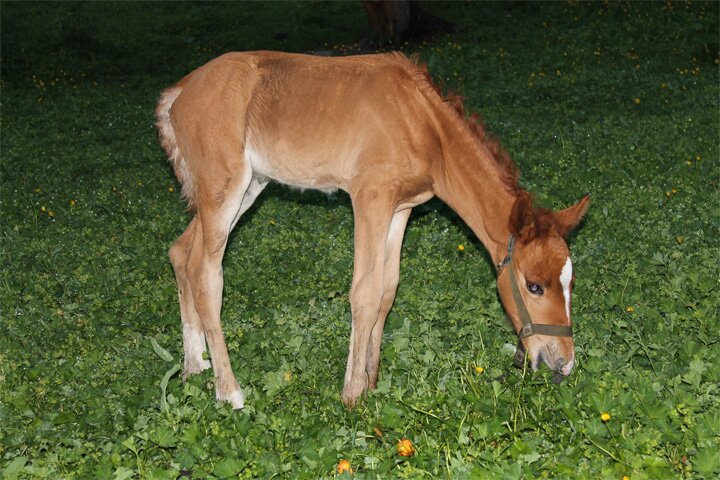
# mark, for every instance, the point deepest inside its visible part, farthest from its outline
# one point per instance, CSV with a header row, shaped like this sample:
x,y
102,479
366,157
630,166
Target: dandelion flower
x,y
629,309
461,248
72,202
605,417
405,448
637,101
171,189
344,466
479,369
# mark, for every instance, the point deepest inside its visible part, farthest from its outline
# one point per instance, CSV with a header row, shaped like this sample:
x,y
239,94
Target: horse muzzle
x,y
559,365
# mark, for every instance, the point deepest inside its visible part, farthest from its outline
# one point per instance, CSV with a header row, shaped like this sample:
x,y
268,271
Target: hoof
x,y
354,389
351,396
235,398
193,367
350,403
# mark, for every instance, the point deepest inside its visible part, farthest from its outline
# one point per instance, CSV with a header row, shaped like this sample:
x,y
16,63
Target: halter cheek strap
x,y
528,328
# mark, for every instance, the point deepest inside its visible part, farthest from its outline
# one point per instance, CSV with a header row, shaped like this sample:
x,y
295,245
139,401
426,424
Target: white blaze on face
x,y
565,279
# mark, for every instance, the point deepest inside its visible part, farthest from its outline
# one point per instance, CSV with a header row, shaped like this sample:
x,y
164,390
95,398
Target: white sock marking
x,y
565,279
194,345
235,398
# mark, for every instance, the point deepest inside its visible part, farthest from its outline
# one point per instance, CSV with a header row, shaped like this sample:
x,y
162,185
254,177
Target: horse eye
x,y
534,288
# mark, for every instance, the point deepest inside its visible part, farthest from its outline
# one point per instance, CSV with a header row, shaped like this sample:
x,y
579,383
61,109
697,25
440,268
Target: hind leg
x,y
193,333
214,222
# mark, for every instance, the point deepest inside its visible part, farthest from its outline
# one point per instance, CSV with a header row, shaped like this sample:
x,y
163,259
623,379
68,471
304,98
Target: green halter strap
x,y
528,328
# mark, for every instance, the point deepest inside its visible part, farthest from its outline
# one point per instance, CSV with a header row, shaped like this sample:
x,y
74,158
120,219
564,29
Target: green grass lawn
x,y
618,100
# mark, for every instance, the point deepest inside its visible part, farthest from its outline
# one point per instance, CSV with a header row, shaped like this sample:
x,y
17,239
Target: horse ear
x,y
566,220
522,218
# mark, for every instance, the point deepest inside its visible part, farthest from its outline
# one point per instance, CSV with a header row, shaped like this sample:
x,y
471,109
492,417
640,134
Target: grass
x,y
619,100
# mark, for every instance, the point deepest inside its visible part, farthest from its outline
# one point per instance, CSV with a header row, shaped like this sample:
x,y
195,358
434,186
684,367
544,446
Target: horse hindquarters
x,y
204,139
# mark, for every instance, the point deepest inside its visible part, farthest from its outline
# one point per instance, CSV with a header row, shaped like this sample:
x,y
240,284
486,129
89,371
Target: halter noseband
x,y
529,328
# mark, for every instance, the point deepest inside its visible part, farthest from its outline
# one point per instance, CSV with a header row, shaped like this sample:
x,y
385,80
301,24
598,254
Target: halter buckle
x,y
526,331
502,264
508,257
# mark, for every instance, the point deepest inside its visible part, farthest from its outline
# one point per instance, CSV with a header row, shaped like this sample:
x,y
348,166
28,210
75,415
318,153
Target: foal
x,y
376,127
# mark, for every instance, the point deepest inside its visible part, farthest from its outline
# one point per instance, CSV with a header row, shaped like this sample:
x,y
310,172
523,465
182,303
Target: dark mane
x,y
508,169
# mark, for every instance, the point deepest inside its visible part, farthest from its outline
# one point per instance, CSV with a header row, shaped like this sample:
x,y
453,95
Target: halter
x,y
529,328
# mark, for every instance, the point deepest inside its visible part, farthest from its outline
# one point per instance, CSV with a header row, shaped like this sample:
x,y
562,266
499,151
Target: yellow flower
x,y
344,466
674,190
72,202
287,376
42,209
50,213
479,369
629,309
698,158
605,417
461,248
625,477
171,189
405,448
637,101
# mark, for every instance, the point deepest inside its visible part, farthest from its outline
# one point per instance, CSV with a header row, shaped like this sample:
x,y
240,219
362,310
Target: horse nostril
x,y
564,367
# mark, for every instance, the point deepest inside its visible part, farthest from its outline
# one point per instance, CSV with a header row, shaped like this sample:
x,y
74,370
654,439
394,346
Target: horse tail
x,y
169,143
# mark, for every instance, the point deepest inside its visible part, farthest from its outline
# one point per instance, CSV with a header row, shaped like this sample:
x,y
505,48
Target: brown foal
x,y
376,127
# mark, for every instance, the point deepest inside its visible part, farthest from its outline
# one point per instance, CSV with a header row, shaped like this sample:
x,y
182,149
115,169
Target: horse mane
x,y
509,172
527,222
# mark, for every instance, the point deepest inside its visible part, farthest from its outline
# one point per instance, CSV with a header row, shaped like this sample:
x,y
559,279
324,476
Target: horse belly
x,y
295,169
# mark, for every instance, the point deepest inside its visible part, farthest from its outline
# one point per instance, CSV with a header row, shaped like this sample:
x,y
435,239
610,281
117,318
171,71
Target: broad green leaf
x,y
707,461
163,437
530,457
15,467
163,386
384,384
160,351
123,473
228,467
163,474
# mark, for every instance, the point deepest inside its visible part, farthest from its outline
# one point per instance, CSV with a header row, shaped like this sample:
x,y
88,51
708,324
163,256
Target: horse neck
x,y
470,182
